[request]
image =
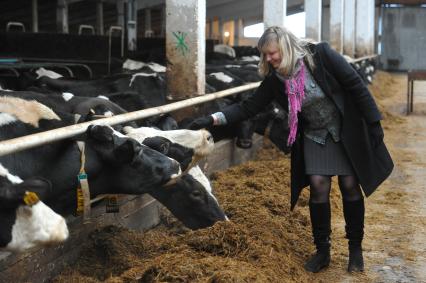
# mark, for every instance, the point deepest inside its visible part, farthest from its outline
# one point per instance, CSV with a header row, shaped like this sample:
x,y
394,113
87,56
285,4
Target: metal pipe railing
x,y
30,141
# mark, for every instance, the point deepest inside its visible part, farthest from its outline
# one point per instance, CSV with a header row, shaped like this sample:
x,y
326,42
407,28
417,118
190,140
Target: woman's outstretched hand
x,y
201,123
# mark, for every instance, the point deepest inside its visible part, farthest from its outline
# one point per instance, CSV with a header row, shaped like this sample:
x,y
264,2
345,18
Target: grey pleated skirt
x,y
328,159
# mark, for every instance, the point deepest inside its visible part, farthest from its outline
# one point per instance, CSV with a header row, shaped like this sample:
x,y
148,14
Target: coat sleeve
x,y
251,106
351,83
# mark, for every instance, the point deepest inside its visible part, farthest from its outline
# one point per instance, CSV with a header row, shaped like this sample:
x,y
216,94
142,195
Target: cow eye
x,y
196,194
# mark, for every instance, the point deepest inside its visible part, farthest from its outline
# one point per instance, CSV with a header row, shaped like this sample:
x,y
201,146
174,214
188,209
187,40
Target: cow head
x,y
25,221
132,168
191,200
181,154
200,142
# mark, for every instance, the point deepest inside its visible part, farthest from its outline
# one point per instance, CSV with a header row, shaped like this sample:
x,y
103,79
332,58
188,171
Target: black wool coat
x,y
343,85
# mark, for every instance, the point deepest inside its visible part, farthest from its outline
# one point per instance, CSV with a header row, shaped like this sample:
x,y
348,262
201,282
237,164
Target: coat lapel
x,y
318,72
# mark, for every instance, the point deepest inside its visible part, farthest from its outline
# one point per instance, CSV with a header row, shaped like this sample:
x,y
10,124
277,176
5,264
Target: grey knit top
x,y
319,113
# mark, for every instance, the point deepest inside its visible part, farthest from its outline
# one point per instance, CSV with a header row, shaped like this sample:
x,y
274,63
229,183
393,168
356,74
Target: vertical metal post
x,y
120,13
35,15
110,31
239,31
132,12
148,28
62,16
100,17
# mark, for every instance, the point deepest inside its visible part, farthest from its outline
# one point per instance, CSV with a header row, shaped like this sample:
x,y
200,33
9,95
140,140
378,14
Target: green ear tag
x,y
82,176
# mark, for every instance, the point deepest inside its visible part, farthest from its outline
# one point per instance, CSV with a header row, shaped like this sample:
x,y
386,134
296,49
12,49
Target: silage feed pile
x,y
263,241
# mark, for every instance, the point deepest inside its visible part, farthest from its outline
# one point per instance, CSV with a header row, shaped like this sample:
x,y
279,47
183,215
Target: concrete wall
x,y
404,38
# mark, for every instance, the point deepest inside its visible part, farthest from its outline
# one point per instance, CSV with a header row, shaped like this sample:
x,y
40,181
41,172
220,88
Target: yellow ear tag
x,y
31,198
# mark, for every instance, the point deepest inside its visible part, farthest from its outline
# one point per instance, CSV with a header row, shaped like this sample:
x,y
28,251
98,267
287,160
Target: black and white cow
x,y
201,209
114,163
25,221
131,91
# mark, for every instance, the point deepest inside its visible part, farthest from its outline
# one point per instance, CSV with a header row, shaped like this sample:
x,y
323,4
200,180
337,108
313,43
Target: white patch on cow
x,y
157,67
200,141
130,64
26,111
6,119
4,89
67,96
108,114
103,97
42,72
12,178
225,49
198,175
37,225
222,77
251,65
253,58
232,66
141,75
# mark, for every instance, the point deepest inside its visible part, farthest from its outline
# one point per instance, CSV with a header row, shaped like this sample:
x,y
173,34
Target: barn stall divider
x,y
136,212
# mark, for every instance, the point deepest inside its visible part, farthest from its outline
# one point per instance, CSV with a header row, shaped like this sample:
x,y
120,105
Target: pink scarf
x,y
295,87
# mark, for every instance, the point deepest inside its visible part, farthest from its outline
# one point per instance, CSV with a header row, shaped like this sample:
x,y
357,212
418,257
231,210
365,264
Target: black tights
x,y
320,188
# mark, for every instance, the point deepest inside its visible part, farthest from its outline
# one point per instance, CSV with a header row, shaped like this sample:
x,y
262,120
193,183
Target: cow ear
x,y
38,185
126,152
100,133
159,144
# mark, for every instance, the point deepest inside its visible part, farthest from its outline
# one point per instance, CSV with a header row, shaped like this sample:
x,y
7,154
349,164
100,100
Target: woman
x,y
334,129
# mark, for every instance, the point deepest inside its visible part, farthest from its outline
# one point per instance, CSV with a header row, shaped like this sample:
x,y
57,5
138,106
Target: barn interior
x,y
91,39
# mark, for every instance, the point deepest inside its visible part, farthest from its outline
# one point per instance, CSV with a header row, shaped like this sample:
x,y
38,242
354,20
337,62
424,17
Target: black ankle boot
x,y
320,219
356,260
354,217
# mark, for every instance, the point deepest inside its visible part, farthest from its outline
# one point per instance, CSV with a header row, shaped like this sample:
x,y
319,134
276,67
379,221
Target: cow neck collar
x,y
83,190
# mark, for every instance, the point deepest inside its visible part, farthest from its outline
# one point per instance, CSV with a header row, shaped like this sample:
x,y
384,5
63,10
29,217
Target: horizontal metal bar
x,y
30,141
364,58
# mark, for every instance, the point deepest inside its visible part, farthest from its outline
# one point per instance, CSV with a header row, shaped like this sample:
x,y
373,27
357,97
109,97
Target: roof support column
x,y
100,16
364,36
185,48
148,28
120,13
313,19
62,16
238,31
349,28
336,24
35,15
132,23
274,12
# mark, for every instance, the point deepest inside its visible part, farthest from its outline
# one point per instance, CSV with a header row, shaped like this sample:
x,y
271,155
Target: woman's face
x,y
272,55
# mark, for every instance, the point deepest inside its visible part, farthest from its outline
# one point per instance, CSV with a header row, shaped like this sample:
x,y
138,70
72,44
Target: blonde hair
x,y
290,47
